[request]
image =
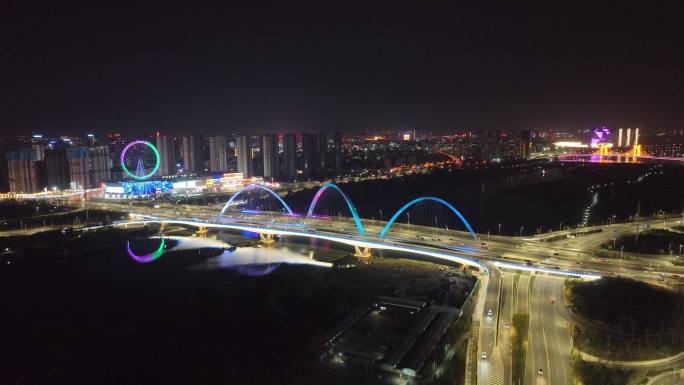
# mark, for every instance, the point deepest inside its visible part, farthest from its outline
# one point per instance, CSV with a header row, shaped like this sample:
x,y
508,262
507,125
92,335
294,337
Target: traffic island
x,y
519,337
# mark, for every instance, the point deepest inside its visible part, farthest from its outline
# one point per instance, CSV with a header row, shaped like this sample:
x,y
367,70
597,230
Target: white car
x,y
540,371
489,313
484,355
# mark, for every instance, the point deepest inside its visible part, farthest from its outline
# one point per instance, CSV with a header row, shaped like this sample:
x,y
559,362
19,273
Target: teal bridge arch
x,y
421,199
256,186
320,192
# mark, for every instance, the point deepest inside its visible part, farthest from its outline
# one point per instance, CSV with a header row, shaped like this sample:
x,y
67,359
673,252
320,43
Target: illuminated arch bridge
x,y
357,220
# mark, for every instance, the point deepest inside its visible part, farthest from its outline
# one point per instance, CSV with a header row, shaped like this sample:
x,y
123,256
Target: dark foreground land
x,y
658,241
77,310
622,319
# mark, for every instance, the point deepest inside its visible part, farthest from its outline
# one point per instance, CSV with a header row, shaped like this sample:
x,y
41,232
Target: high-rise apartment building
x,y
322,148
314,155
308,155
269,153
23,173
525,144
167,155
243,152
57,168
218,153
89,167
337,152
192,154
290,156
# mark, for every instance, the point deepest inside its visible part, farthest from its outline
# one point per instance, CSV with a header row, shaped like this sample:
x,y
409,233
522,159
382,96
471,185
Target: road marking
x,y
546,346
496,373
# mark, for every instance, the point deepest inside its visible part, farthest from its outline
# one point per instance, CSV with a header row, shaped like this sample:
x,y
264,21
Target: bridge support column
x,y
266,238
202,231
362,252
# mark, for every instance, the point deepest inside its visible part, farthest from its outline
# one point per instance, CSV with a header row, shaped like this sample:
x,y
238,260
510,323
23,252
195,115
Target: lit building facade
x,y
269,153
89,167
23,173
218,154
243,152
167,155
192,154
290,156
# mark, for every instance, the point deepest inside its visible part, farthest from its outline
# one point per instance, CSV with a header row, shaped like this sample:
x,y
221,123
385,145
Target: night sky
x,y
134,66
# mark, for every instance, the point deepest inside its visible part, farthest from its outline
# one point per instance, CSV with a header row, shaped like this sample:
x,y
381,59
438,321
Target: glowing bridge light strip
x,y
148,257
320,192
253,186
514,266
417,200
122,159
312,234
364,243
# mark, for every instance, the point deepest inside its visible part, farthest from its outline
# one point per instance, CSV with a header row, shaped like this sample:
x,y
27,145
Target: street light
x,y
435,226
521,229
499,229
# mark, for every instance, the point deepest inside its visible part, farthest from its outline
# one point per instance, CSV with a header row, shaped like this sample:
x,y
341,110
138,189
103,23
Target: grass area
x,y
625,319
649,242
590,373
519,335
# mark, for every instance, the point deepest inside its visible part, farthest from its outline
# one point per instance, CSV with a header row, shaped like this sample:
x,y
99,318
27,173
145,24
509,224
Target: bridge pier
x,y
362,252
266,238
202,231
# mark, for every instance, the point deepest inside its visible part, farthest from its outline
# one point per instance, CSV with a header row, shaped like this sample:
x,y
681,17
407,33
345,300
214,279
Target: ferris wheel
x,y
142,157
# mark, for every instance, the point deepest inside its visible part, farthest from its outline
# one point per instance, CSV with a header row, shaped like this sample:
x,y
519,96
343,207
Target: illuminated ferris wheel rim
x,y
123,158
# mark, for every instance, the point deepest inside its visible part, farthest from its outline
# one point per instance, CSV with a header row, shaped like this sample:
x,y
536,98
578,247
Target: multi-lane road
x,y
550,338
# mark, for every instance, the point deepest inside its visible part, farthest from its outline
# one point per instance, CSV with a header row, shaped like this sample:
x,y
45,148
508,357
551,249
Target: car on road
x,y
489,313
484,355
553,301
507,325
540,371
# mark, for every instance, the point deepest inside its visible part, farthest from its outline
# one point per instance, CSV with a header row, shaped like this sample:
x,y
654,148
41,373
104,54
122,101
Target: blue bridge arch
x,y
320,192
257,186
421,199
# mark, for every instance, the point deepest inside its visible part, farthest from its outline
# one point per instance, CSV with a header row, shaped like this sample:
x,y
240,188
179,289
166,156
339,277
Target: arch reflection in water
x,y
178,244
256,261
147,257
